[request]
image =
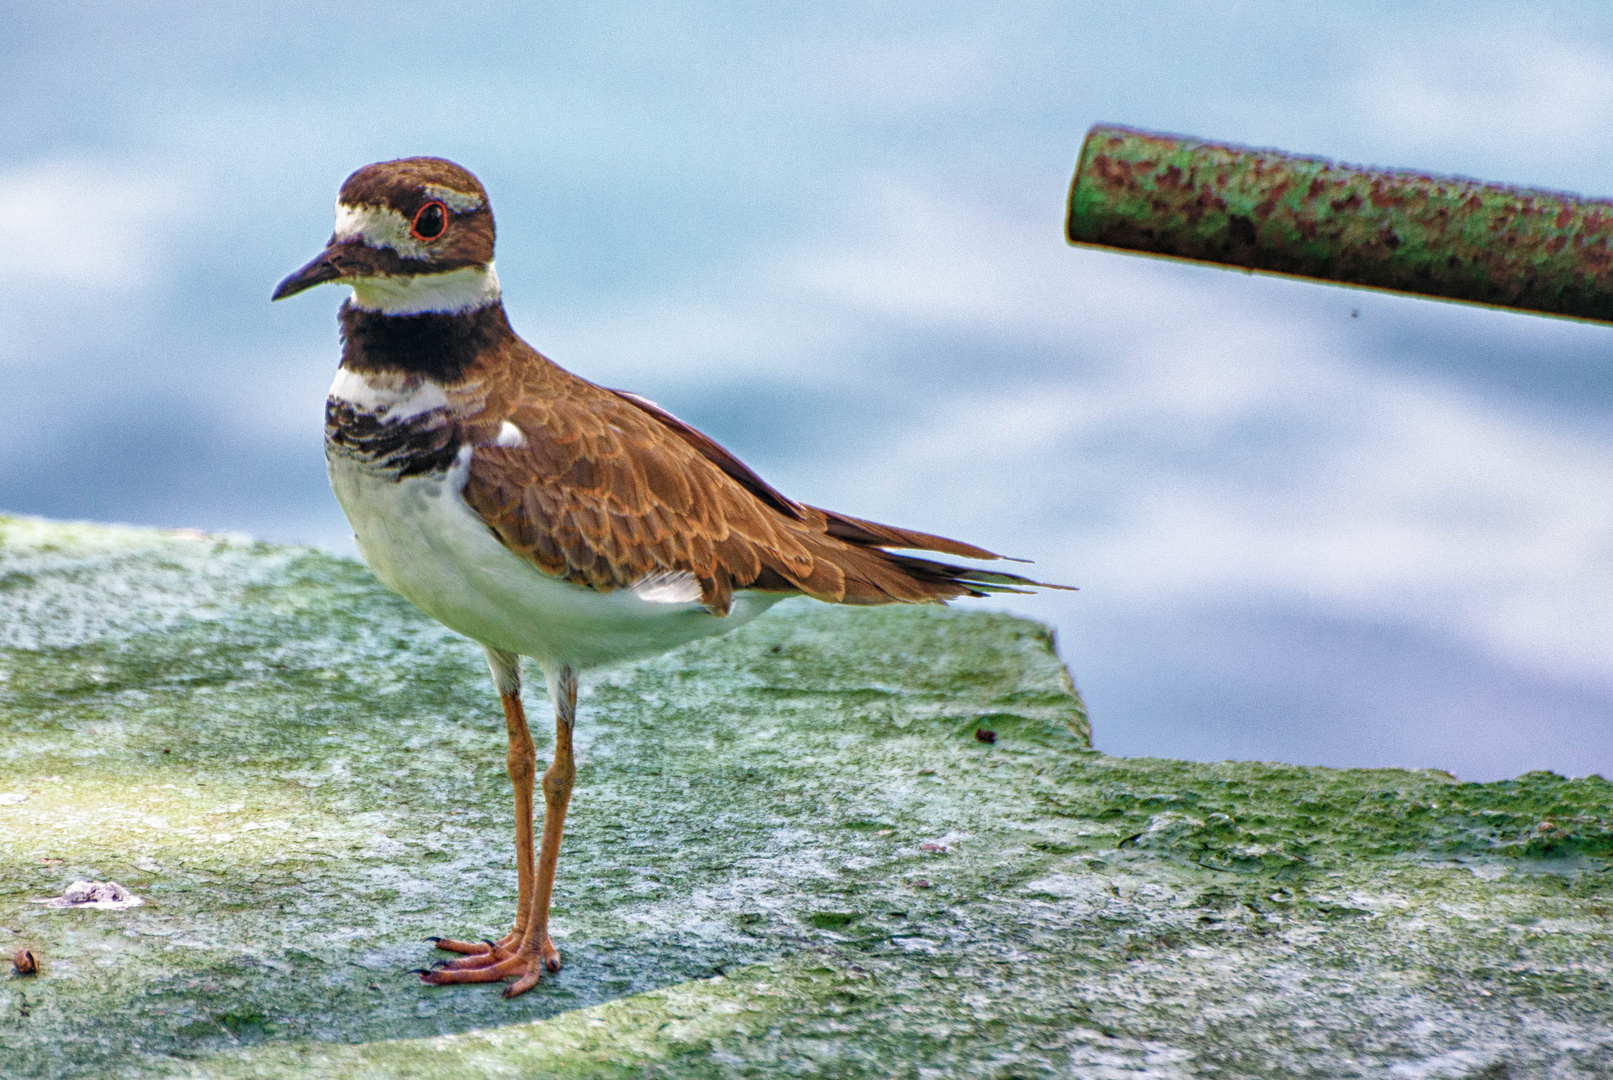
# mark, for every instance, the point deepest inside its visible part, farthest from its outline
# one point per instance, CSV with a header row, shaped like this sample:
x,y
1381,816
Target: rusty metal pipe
x,y
1538,251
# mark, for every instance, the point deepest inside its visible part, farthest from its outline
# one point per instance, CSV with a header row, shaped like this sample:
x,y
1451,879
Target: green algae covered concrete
x,y
788,854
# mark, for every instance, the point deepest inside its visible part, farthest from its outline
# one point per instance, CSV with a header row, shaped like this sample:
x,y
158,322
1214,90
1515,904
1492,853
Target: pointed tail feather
x,y
866,574
873,534
973,581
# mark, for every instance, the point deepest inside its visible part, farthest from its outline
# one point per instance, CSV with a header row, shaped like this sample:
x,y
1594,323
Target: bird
x,y
547,517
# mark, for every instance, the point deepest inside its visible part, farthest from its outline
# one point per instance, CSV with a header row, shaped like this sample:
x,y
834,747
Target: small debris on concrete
x,y
25,962
106,895
12,798
985,735
933,849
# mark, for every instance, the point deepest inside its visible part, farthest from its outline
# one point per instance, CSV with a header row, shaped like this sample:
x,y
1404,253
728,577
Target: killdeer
x,y
545,516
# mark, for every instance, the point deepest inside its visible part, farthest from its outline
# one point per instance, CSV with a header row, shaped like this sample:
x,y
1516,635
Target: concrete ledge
x,y
788,853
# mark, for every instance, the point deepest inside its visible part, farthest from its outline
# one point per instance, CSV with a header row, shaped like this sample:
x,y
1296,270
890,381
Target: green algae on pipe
x,y
1444,237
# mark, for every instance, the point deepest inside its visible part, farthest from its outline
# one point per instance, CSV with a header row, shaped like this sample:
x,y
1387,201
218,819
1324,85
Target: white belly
x,y
424,543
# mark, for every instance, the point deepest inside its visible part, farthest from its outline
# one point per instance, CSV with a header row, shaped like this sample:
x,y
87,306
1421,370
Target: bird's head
x,y
413,235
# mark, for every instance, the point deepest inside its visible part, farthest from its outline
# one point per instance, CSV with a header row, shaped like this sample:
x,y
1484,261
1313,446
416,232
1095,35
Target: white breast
x,y
425,543
389,398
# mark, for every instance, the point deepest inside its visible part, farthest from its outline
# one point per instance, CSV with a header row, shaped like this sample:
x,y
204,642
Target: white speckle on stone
x,y
12,798
1069,887
106,895
158,580
1454,1063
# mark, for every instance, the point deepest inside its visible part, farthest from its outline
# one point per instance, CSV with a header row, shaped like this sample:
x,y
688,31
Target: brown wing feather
x,y
609,489
716,453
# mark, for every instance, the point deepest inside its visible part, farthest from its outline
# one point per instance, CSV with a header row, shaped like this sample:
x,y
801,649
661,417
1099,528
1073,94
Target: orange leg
x,y
522,762
528,951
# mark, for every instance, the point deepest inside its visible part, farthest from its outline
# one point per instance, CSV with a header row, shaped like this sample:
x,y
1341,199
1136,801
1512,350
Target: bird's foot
x,y
503,946
526,962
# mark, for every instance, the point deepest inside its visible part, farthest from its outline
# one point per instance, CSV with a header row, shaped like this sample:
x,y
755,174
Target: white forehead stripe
x,y
379,227
448,293
460,202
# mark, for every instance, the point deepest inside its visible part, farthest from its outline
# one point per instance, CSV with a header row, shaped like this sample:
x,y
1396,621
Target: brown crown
x,y
406,185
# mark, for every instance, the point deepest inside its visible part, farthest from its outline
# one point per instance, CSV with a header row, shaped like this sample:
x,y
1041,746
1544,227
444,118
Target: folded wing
x,y
606,489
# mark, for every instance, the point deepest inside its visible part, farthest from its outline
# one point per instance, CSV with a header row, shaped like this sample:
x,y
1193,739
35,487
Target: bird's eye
x,y
431,222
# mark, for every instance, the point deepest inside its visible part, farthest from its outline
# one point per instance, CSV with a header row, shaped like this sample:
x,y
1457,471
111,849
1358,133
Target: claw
x,y
434,940
418,971
523,984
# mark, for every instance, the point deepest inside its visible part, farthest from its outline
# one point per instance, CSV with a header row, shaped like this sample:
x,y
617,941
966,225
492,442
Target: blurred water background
x,y
1310,524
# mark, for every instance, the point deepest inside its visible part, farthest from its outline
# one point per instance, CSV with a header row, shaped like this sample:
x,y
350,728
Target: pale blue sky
x,y
830,236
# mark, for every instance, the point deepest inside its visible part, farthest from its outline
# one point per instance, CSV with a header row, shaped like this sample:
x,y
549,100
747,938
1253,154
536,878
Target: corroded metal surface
x,y
1444,237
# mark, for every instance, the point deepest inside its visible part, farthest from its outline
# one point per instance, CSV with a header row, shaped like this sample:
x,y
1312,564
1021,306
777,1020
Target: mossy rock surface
x,y
788,854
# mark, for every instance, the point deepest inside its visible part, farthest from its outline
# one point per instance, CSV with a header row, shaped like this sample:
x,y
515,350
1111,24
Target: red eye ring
x,y
435,223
